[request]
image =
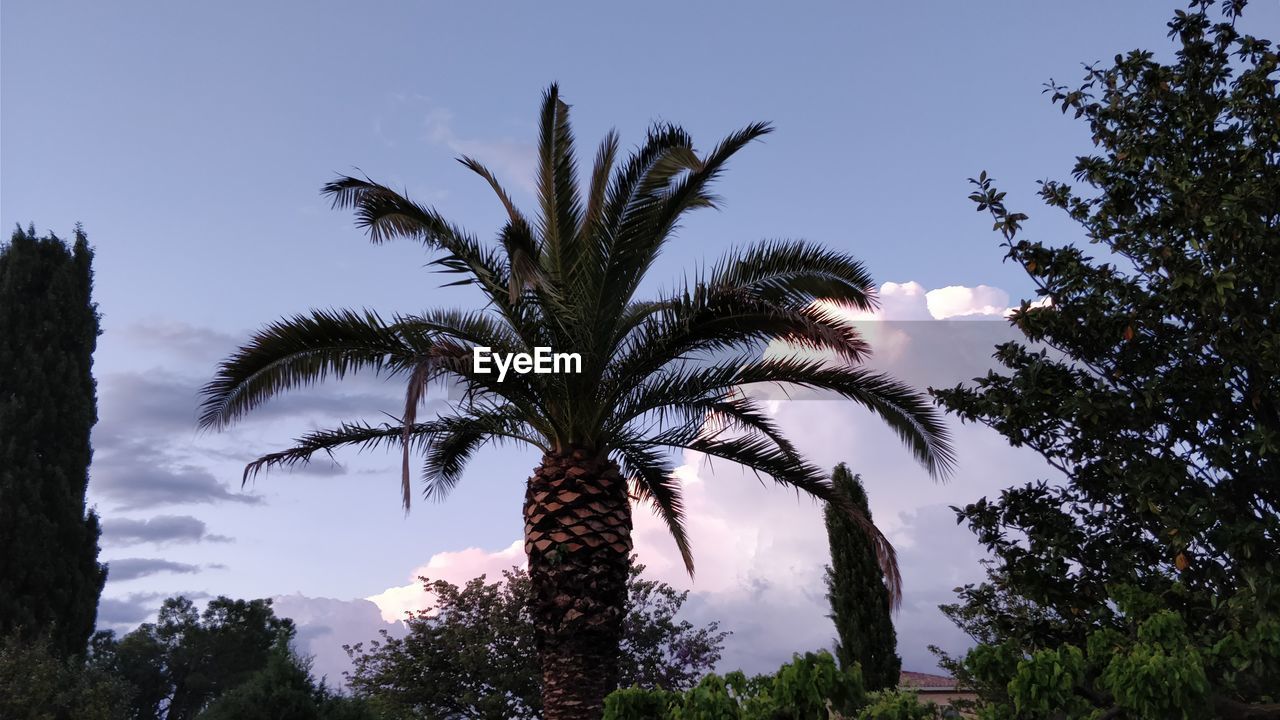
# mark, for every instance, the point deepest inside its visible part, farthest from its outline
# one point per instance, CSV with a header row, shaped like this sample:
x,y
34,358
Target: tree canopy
x,y
470,653
1145,582
179,664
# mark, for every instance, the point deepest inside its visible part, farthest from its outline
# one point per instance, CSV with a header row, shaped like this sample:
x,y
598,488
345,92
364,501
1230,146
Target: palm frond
x,y
386,214
654,481
363,435
709,321
458,437
909,413
558,182
761,456
299,351
689,191
600,173
417,387
666,152
796,273
632,203
522,247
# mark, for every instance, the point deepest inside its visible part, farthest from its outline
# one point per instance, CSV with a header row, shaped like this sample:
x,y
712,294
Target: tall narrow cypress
x,y
857,593
50,578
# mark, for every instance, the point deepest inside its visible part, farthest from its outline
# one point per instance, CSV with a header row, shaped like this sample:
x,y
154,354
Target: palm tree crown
x,y
657,375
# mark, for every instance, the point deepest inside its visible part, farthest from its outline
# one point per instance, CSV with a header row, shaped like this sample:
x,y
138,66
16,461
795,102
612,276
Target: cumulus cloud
x,y
957,301
161,529
325,625
133,568
456,567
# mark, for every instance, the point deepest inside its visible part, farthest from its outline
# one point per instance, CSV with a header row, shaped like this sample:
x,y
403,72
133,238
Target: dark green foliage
x,y
810,687
810,684
284,690
857,593
635,703
1147,584
36,683
473,654
48,542
898,705
187,659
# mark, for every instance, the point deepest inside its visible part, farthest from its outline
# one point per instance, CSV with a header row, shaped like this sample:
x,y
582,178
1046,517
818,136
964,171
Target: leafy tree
x,y
470,654
285,690
856,590
1146,584
186,659
651,371
48,405
37,683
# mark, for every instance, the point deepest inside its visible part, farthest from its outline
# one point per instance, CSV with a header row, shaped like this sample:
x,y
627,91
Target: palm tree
x,y
656,375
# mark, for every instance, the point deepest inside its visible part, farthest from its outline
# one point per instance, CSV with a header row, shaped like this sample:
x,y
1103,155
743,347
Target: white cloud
x,y
960,301
456,567
514,162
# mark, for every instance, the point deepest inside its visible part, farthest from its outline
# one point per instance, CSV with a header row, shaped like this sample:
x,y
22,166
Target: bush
x,y
36,684
810,687
897,705
638,704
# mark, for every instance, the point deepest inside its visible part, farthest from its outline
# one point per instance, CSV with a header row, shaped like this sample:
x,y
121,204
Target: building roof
x,y
925,681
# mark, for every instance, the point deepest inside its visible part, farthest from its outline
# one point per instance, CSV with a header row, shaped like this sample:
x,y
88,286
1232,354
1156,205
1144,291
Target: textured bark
x,y
578,540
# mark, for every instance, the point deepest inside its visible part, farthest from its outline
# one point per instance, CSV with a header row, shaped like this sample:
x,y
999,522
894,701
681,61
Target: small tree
x,y
857,592
48,405
1146,585
471,652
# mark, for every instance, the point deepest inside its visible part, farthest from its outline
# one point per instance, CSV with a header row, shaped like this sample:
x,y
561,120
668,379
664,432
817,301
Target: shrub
x,y
897,705
810,687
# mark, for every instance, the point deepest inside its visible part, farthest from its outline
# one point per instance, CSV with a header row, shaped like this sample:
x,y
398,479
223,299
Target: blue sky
x,y
191,140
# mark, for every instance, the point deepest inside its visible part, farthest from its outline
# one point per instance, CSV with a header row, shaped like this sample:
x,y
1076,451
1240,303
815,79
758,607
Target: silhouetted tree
x,y
285,690
857,593
185,660
1146,582
49,566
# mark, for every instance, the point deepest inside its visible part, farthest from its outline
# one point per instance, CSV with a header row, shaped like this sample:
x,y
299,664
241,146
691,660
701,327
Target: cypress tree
x,y
857,593
50,578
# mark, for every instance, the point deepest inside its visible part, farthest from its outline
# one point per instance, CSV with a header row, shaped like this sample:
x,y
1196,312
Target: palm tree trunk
x,y
578,540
